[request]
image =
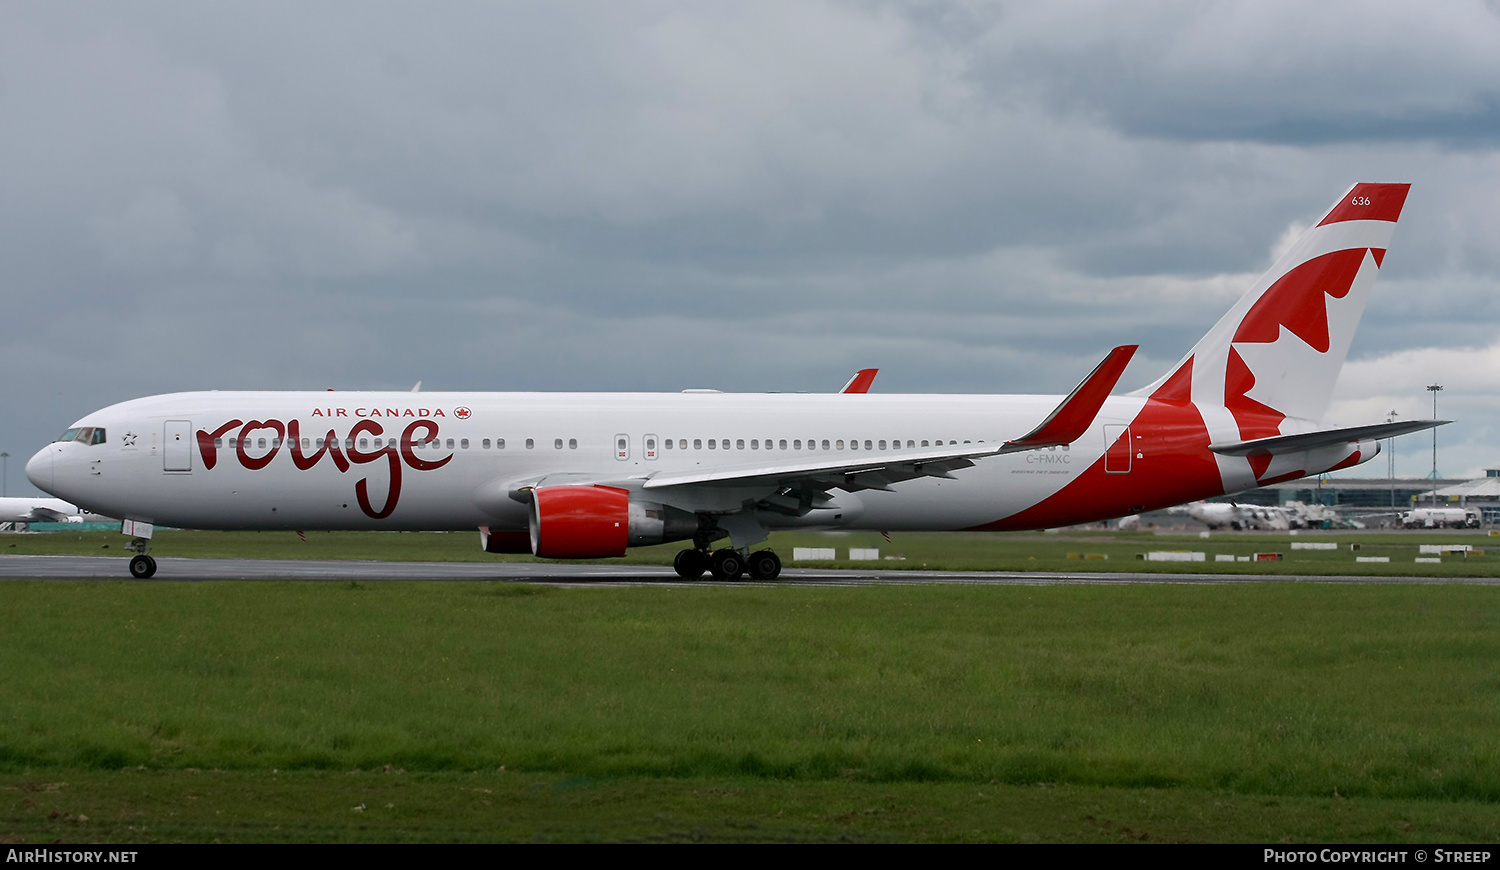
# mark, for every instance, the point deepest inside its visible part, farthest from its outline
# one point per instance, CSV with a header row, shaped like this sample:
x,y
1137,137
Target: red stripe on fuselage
x,y
1170,464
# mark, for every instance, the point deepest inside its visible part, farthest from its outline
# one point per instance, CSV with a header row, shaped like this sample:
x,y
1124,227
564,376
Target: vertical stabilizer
x,y
1276,354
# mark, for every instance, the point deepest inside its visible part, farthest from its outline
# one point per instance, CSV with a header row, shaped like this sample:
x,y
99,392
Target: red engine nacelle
x,y
579,522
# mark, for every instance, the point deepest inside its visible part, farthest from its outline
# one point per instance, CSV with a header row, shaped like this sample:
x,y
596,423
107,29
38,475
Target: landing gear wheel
x,y
690,564
142,567
764,565
727,565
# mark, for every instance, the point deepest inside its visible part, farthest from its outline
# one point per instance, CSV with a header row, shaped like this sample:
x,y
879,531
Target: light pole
x,y
5,474
1390,460
1434,389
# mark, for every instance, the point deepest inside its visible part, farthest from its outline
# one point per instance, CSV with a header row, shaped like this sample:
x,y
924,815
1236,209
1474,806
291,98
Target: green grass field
x,y
494,711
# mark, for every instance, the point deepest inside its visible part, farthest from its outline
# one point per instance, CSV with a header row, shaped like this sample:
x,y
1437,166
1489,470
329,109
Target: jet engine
x,y
592,522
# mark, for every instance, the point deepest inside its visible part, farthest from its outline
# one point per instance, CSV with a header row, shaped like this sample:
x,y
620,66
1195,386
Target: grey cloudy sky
x,y
975,197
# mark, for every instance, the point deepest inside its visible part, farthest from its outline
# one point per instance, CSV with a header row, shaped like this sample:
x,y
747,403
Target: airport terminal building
x,y
1363,496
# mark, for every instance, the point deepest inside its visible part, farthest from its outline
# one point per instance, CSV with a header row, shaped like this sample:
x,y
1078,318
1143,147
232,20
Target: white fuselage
x,y
154,465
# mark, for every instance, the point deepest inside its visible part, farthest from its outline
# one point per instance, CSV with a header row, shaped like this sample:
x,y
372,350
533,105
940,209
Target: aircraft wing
x,y
799,486
858,471
1325,438
789,487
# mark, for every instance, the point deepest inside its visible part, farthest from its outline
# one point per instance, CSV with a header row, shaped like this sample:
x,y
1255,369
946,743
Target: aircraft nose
x,y
39,469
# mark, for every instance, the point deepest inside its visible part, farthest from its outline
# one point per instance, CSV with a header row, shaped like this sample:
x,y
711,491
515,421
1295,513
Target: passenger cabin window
x,y
572,443
463,443
530,443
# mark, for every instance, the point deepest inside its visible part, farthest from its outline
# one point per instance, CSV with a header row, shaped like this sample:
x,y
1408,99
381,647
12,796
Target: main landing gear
x,y
727,564
142,566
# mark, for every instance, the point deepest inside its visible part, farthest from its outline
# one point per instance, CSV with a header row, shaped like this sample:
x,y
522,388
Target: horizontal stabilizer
x,y
1325,438
1069,420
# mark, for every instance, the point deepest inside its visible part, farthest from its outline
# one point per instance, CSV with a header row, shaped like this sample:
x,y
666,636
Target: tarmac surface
x,y
171,569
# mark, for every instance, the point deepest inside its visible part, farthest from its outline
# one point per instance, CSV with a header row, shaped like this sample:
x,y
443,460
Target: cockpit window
x,y
84,435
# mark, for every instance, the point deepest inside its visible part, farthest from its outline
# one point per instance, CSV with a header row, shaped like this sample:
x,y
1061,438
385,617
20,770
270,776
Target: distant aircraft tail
x,y
1277,353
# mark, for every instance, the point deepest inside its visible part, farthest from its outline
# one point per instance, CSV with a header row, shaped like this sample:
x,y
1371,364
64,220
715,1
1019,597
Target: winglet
x,y
1077,412
861,381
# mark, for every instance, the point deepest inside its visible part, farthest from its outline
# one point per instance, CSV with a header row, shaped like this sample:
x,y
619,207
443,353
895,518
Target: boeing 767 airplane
x,y
587,475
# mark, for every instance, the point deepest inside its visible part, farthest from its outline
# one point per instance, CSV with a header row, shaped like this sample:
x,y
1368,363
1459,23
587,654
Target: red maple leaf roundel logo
x,y
462,413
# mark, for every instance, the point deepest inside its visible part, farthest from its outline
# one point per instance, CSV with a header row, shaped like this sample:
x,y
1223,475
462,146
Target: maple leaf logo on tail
x,y
1269,366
